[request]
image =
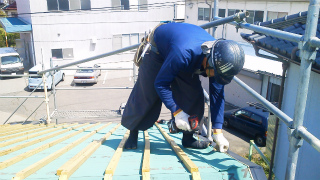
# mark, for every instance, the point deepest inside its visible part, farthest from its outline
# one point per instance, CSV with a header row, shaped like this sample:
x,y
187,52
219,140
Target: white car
x,y
35,79
87,75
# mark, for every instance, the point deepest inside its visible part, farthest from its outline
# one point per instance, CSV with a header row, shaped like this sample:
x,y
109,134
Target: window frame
x,y
62,55
205,16
68,5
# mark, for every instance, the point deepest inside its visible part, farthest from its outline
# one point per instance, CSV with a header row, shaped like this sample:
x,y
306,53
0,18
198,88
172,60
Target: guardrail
x,y
253,145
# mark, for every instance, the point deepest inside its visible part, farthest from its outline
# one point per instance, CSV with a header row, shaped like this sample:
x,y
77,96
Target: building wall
x,y
229,31
309,158
88,32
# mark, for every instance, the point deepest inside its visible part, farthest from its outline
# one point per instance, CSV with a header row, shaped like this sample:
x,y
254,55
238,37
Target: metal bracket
x,y
238,20
292,133
309,51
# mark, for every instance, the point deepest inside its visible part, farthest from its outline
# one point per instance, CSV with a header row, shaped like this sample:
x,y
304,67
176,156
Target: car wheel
x,y
259,140
63,76
226,123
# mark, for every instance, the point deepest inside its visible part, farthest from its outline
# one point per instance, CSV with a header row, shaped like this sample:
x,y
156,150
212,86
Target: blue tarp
x,y
15,25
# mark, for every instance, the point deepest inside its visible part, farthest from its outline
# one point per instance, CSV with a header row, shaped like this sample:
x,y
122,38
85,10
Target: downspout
x,y
285,66
215,14
210,14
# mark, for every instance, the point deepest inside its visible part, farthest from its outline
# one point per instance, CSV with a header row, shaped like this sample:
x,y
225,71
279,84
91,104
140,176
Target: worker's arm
x,y
217,109
172,65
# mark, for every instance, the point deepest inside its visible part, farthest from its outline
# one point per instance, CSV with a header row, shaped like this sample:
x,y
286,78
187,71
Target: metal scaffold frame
x,y
307,45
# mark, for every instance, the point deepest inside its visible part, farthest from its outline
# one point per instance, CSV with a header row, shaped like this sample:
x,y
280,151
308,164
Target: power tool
x,y
193,121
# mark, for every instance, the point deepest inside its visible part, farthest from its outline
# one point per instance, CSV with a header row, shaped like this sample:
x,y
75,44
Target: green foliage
x,y
256,158
11,37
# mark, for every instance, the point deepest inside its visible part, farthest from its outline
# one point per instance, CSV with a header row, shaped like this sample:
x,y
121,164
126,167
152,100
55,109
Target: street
x,y
82,98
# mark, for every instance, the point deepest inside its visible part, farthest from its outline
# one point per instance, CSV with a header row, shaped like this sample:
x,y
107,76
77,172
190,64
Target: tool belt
x,y
147,43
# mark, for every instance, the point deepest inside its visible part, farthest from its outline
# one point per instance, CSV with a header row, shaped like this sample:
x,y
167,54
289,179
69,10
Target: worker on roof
x,y
169,73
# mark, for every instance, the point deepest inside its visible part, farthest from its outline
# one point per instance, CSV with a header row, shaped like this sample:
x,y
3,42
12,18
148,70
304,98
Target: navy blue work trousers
x,y
144,105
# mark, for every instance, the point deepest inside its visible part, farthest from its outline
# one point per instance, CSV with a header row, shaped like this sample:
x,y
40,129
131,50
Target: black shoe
x,y
132,141
188,141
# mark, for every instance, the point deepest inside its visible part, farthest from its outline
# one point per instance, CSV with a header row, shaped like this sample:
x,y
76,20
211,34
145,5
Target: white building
x,y
70,30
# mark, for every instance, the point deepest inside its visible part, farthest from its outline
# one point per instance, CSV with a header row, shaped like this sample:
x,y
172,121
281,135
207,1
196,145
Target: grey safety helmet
x,y
225,57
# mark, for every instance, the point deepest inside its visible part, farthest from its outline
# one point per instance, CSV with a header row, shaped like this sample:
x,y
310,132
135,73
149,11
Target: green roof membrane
x,y
164,163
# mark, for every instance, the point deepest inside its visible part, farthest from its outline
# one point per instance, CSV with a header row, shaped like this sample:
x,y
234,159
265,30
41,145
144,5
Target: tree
x,y
11,37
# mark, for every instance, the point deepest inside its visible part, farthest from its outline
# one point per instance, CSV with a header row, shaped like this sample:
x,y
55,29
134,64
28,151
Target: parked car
x,y
10,61
250,120
87,75
35,79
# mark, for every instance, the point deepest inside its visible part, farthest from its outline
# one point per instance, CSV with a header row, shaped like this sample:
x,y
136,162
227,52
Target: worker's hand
x,y
221,141
181,119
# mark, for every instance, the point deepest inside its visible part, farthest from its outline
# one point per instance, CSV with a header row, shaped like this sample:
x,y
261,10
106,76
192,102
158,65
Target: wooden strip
x,y
13,127
146,158
38,165
34,151
25,128
35,129
7,143
181,154
67,169
21,146
115,158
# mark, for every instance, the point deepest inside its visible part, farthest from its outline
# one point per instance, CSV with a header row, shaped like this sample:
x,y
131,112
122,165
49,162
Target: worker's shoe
x,y
132,141
188,141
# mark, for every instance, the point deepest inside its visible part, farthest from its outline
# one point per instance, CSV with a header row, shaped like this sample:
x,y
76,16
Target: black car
x,y
250,120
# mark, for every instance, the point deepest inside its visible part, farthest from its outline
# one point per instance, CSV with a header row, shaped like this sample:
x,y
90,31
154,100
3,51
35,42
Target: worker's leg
x,y
188,94
143,107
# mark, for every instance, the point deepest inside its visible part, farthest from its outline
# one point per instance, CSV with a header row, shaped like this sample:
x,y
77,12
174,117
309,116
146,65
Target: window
x,y
143,4
222,13
203,14
243,114
66,53
273,92
256,119
233,11
125,5
275,15
124,40
254,16
66,5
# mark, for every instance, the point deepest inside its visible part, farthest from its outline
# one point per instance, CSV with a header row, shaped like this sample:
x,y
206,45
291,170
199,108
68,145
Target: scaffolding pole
x,y
307,56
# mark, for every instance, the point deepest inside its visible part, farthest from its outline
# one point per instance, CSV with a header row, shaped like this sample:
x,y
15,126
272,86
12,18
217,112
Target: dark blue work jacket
x,y
179,45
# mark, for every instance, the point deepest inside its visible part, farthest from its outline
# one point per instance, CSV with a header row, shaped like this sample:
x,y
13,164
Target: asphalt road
x,y
83,98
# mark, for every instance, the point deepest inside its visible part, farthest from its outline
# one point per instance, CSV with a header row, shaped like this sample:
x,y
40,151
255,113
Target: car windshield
x,y
10,59
84,70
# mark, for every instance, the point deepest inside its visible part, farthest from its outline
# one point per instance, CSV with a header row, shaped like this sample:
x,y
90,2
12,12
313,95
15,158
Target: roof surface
x,y
95,151
287,50
13,25
12,6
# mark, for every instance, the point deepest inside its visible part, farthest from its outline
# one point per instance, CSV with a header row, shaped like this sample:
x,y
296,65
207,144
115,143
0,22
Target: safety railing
x,y
253,145
307,44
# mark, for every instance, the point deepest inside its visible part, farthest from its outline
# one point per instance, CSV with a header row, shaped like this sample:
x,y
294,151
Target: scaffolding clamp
x,y
293,134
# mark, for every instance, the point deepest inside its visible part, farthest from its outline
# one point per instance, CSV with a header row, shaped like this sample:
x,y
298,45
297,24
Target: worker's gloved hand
x,y
181,120
221,141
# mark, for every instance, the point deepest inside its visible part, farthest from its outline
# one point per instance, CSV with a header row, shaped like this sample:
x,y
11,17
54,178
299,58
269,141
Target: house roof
x,y
281,48
94,151
15,25
12,6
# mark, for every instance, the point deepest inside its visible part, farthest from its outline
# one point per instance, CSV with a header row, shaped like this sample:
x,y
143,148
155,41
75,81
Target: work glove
x,y
221,141
181,120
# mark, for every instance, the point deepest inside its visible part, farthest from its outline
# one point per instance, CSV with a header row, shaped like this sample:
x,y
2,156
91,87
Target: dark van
x,y
250,120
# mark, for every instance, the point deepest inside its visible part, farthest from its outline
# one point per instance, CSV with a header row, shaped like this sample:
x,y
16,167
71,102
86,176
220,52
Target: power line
x,y
112,9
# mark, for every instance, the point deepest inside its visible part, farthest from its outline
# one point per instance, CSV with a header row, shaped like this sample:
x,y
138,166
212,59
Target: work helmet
x,y
226,57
